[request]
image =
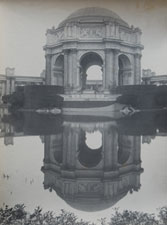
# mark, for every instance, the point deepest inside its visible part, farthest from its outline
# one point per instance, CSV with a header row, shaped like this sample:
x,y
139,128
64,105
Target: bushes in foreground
x,y
17,215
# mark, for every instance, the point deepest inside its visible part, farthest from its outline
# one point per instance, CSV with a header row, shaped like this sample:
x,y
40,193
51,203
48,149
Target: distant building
x,y
149,77
9,81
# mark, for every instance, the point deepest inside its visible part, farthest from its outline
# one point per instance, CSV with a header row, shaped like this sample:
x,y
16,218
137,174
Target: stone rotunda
x,y
93,37
91,179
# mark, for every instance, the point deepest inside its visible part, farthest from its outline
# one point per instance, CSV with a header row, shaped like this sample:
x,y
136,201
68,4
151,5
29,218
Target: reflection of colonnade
x,y
91,179
6,129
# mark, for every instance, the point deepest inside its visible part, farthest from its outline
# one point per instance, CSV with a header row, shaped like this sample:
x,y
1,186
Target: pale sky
x,y
23,25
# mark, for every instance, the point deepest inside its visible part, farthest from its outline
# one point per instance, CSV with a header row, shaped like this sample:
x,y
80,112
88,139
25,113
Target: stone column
x,y
74,30
137,150
117,31
47,148
7,89
69,148
108,30
12,85
48,69
9,72
137,69
65,146
4,88
66,68
110,143
138,34
70,69
115,149
115,67
108,76
74,68
78,78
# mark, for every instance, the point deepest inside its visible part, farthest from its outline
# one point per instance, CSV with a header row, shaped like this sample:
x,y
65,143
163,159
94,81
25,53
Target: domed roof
x,y
93,14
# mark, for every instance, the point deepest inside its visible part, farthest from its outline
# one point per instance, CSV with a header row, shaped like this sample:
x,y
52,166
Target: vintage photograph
x,y
83,112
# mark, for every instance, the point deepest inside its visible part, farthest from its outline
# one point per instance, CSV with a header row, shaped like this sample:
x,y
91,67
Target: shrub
x,y
17,215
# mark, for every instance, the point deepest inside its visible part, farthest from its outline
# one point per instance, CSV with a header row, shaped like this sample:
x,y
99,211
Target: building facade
x,y
149,77
93,36
9,81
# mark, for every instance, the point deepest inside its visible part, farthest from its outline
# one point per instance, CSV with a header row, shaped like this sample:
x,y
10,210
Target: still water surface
x,y
64,168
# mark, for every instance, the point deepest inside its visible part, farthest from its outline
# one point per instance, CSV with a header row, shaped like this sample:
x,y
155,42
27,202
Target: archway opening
x,y
58,69
124,74
90,149
93,140
91,75
94,73
94,77
124,147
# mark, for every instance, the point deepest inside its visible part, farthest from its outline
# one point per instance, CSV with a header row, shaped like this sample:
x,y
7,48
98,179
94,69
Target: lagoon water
x,y
88,167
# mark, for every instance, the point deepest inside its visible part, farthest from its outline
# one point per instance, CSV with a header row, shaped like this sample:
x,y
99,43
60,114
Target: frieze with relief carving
x,y
125,36
89,187
91,32
59,35
55,36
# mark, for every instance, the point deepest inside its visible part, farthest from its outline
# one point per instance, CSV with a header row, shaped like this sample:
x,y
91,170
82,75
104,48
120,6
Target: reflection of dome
x,y
93,204
91,179
86,195
93,14
89,193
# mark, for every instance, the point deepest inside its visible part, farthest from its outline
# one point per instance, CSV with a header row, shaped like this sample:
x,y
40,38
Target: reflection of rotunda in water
x,y
91,179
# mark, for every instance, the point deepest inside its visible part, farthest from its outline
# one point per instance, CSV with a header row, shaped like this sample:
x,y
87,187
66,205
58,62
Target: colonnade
x,y
110,69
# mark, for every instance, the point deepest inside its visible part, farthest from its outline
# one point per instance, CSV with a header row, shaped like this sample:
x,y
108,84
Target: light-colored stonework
x,y
93,36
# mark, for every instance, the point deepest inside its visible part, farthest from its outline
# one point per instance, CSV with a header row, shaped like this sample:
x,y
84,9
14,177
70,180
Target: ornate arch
x,y
82,53
88,59
88,157
58,70
125,70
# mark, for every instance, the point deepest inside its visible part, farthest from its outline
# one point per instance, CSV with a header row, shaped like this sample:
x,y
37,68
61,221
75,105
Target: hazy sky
x,y
23,25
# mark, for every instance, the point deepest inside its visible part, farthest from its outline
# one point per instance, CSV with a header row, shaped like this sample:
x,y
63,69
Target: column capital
x,y
74,50
137,55
66,51
106,22
48,55
107,50
116,50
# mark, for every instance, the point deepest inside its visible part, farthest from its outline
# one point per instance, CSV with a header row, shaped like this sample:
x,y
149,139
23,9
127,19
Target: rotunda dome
x,y
93,14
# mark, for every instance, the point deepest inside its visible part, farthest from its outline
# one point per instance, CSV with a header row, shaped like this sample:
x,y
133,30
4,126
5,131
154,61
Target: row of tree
x,y
18,215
